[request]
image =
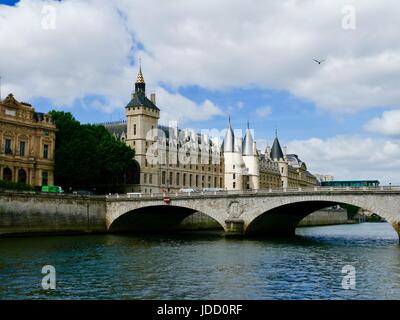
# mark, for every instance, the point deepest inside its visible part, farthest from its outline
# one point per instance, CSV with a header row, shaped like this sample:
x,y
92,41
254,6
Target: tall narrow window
x,y
134,129
46,151
163,177
22,148
7,146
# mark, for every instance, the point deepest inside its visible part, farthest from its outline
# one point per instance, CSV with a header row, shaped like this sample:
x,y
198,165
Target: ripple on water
x,y
206,267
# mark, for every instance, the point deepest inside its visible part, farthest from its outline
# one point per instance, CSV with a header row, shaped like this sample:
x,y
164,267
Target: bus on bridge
x,y
350,183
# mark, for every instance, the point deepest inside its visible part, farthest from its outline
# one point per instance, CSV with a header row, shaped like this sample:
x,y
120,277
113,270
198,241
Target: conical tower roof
x,y
247,146
229,140
276,151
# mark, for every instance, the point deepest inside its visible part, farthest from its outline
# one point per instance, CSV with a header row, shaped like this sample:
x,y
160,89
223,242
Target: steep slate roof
x,y
139,99
228,144
276,151
116,128
247,145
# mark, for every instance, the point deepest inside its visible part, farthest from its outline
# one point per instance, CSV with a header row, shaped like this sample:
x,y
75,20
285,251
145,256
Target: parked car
x,y
190,190
83,192
133,194
213,189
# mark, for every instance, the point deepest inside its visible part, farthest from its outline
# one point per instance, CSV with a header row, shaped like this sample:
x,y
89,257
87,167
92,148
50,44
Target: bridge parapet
x,y
259,192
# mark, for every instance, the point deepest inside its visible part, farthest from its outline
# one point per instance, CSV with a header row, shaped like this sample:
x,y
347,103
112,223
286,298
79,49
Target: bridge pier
x,y
396,227
234,228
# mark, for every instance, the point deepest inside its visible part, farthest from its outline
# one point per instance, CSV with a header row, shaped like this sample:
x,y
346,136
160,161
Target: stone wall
x,y
325,217
199,221
22,213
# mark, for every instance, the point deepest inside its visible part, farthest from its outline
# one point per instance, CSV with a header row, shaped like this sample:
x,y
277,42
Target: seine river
x,y
205,266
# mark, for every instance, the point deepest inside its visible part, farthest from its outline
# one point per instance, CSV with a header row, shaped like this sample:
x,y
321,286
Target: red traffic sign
x,y
167,200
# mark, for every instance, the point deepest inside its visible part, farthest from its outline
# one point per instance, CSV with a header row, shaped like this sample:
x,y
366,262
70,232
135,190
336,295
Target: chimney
x,y
267,152
153,98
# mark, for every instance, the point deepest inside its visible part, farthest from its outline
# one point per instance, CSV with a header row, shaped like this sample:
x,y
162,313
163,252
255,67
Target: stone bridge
x,y
262,212
265,212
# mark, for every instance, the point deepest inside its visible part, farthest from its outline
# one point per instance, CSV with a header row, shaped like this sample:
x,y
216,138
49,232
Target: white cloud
x,y
214,44
351,157
388,124
264,112
175,107
269,44
87,53
240,105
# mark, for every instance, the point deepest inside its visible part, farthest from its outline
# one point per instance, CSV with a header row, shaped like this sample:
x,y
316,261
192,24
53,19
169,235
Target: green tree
x,y
89,157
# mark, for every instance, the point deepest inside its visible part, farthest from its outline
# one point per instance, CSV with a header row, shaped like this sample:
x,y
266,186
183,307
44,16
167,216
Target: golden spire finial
x,y
139,78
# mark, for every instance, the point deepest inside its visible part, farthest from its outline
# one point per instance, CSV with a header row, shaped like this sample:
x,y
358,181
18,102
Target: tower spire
x,y
140,85
139,78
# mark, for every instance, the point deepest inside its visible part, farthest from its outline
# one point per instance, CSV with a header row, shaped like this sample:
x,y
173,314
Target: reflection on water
x,y
206,266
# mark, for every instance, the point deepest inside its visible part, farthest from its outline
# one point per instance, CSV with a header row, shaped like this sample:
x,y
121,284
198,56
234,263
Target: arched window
x,y
133,174
22,175
7,174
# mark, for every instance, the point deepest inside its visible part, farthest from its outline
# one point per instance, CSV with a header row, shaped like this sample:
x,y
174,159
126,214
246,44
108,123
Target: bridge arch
x,y
281,217
154,218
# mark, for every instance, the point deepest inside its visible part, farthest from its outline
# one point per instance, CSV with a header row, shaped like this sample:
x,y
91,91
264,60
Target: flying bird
x,y
318,61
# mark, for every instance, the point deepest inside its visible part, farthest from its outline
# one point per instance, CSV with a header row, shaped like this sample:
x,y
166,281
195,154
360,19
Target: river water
x,y
206,266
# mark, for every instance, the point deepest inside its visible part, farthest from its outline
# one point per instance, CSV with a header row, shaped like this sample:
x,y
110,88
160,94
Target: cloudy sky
x,y
209,59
